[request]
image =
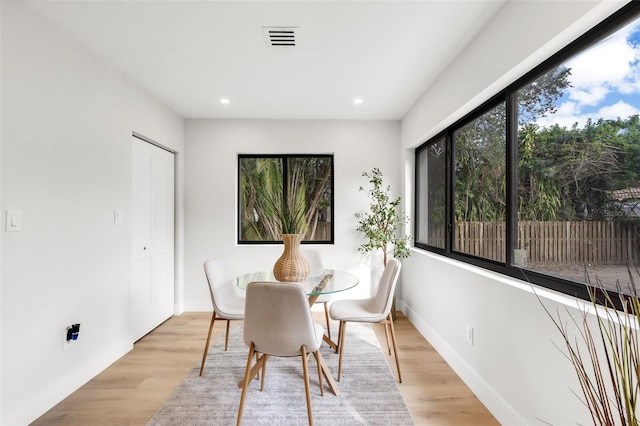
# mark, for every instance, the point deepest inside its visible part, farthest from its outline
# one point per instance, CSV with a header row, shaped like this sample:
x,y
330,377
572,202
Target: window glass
x,y
579,164
479,185
431,212
297,186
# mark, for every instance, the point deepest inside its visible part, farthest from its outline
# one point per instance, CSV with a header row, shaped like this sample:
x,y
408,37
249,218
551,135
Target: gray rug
x,y
369,393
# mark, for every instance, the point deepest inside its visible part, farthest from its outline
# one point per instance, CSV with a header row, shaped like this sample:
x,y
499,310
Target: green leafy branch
x,y
293,212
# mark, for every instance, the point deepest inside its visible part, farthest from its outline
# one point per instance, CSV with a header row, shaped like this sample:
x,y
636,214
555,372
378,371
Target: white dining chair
x,y
228,304
373,310
316,267
278,322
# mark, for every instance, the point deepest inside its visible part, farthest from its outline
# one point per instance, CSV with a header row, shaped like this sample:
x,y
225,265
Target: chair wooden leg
x,y
257,356
343,331
307,391
206,345
318,357
395,347
226,337
340,327
245,383
386,334
263,370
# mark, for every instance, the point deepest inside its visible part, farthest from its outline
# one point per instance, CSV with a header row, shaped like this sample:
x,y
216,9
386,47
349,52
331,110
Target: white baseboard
x,y
44,400
501,410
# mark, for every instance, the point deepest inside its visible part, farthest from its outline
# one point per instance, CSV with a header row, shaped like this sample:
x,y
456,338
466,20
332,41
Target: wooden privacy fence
x,y
552,243
583,242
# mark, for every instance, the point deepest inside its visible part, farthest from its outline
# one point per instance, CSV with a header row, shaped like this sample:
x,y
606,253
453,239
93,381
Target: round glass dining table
x,y
329,281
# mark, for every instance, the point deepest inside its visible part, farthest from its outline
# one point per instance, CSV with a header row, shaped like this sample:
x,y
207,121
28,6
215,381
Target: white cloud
x,y
565,116
588,96
568,114
618,110
606,65
610,67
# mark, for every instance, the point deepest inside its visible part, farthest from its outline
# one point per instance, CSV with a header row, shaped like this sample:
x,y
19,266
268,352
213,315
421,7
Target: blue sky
x,y
605,80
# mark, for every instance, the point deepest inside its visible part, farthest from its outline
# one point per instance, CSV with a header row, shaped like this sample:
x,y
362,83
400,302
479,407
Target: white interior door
x,y
153,237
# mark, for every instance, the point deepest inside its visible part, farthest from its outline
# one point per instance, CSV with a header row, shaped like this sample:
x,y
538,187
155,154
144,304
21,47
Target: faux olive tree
x,y
382,222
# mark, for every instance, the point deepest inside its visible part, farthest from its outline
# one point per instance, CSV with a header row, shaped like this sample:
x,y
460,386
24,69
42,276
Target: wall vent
x,y
280,36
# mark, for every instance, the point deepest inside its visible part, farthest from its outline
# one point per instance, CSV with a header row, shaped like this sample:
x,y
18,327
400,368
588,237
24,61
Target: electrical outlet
x,y
71,335
469,334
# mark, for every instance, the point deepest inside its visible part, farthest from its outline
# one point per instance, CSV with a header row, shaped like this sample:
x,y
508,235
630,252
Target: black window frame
x,y
283,158
608,26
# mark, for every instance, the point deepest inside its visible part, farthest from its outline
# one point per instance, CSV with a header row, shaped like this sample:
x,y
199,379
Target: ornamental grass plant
x,y
605,357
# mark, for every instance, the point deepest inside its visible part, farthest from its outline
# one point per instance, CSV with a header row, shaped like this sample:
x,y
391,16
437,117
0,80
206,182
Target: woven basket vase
x,y
291,266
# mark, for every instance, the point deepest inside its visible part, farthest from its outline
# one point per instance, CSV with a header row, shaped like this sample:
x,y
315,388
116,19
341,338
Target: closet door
x,y
153,237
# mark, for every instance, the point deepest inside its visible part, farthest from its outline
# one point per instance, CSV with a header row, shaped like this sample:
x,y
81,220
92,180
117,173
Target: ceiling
x,y
191,54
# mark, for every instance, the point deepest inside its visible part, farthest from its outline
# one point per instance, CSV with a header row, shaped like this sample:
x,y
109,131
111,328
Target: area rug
x,y
369,393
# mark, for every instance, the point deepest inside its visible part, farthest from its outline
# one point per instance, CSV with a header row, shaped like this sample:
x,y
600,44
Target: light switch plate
x,y
14,221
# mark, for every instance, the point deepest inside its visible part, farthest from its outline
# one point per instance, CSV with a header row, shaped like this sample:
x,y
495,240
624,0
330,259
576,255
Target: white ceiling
x,y
190,54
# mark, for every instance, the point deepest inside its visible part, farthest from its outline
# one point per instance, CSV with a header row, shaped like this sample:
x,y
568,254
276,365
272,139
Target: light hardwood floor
x,y
133,388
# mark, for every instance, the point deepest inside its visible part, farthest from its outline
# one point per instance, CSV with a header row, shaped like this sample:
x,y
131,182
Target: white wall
x,y
211,192
513,365
65,162
66,132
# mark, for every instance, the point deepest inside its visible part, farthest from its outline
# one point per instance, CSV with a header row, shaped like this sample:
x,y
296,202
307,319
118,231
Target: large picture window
x,y
298,186
545,177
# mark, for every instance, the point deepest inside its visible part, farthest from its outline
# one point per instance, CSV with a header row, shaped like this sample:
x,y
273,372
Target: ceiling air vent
x,y
280,36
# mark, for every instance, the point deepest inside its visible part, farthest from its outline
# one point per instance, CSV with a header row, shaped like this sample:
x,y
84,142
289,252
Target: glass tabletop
x,y
330,281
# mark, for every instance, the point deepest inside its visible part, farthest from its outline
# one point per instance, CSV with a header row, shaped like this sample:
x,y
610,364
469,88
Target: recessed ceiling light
x,y
224,101
357,101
